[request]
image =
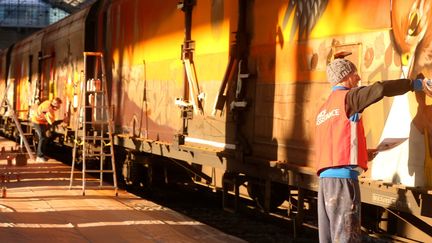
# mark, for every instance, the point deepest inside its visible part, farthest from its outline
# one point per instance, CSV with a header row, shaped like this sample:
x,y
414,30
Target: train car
x,y
228,91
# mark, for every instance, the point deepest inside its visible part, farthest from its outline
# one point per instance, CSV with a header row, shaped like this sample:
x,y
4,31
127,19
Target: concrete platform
x,y
39,207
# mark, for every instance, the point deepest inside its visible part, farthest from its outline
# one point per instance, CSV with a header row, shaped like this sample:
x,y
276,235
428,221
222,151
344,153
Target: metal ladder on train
x,y
6,104
93,141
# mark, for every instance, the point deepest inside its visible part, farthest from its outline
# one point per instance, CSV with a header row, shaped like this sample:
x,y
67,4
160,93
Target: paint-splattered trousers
x,y
339,207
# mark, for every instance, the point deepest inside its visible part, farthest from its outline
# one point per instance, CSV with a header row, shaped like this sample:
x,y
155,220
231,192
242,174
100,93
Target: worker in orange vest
x,y
42,117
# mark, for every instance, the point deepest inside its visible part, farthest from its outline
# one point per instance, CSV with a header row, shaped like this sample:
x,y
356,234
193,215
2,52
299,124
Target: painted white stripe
x,y
183,223
97,224
211,143
37,226
354,144
140,222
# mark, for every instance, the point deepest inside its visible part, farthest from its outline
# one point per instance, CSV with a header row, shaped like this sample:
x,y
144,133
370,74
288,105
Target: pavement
x,y
37,205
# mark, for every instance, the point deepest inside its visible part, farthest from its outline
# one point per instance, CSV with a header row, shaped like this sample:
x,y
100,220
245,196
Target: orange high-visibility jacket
x,y
43,114
339,141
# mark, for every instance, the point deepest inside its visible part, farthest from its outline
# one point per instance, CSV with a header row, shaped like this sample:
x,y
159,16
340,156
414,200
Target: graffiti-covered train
x,y
229,90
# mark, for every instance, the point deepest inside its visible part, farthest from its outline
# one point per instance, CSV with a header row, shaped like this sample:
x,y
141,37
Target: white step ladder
x,y
93,140
5,103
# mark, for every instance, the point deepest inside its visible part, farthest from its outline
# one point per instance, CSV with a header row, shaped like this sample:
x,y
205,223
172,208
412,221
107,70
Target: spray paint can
x,y
429,84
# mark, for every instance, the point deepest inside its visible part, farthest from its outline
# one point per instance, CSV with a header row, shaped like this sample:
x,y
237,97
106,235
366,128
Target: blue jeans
x,y
40,131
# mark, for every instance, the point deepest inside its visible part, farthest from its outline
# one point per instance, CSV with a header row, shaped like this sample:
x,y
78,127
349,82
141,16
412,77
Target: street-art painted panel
x,y
410,115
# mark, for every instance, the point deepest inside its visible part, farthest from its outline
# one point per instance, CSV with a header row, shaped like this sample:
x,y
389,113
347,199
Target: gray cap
x,y
338,69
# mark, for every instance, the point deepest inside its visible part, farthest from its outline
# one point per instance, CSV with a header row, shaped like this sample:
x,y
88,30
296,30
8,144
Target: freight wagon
x,y
228,91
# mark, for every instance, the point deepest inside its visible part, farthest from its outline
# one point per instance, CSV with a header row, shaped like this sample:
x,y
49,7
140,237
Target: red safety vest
x,y
339,141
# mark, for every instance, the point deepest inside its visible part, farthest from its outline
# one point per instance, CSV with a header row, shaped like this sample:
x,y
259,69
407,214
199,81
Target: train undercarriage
x,y
277,189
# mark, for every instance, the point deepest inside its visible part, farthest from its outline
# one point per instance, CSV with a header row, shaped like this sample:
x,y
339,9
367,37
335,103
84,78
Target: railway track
x,y
248,224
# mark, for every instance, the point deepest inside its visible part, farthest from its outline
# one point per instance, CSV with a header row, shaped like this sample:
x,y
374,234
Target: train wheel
x,y
256,190
137,175
140,178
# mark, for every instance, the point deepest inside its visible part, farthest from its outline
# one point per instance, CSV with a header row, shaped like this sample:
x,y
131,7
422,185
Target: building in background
x,y
19,18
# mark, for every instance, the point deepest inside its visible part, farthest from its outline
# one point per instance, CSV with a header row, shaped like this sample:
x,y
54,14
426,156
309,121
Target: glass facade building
x,y
28,14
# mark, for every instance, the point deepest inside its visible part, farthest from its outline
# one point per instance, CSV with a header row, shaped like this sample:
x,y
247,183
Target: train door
x,y
30,69
17,74
34,69
46,84
10,91
2,73
29,84
20,71
20,64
